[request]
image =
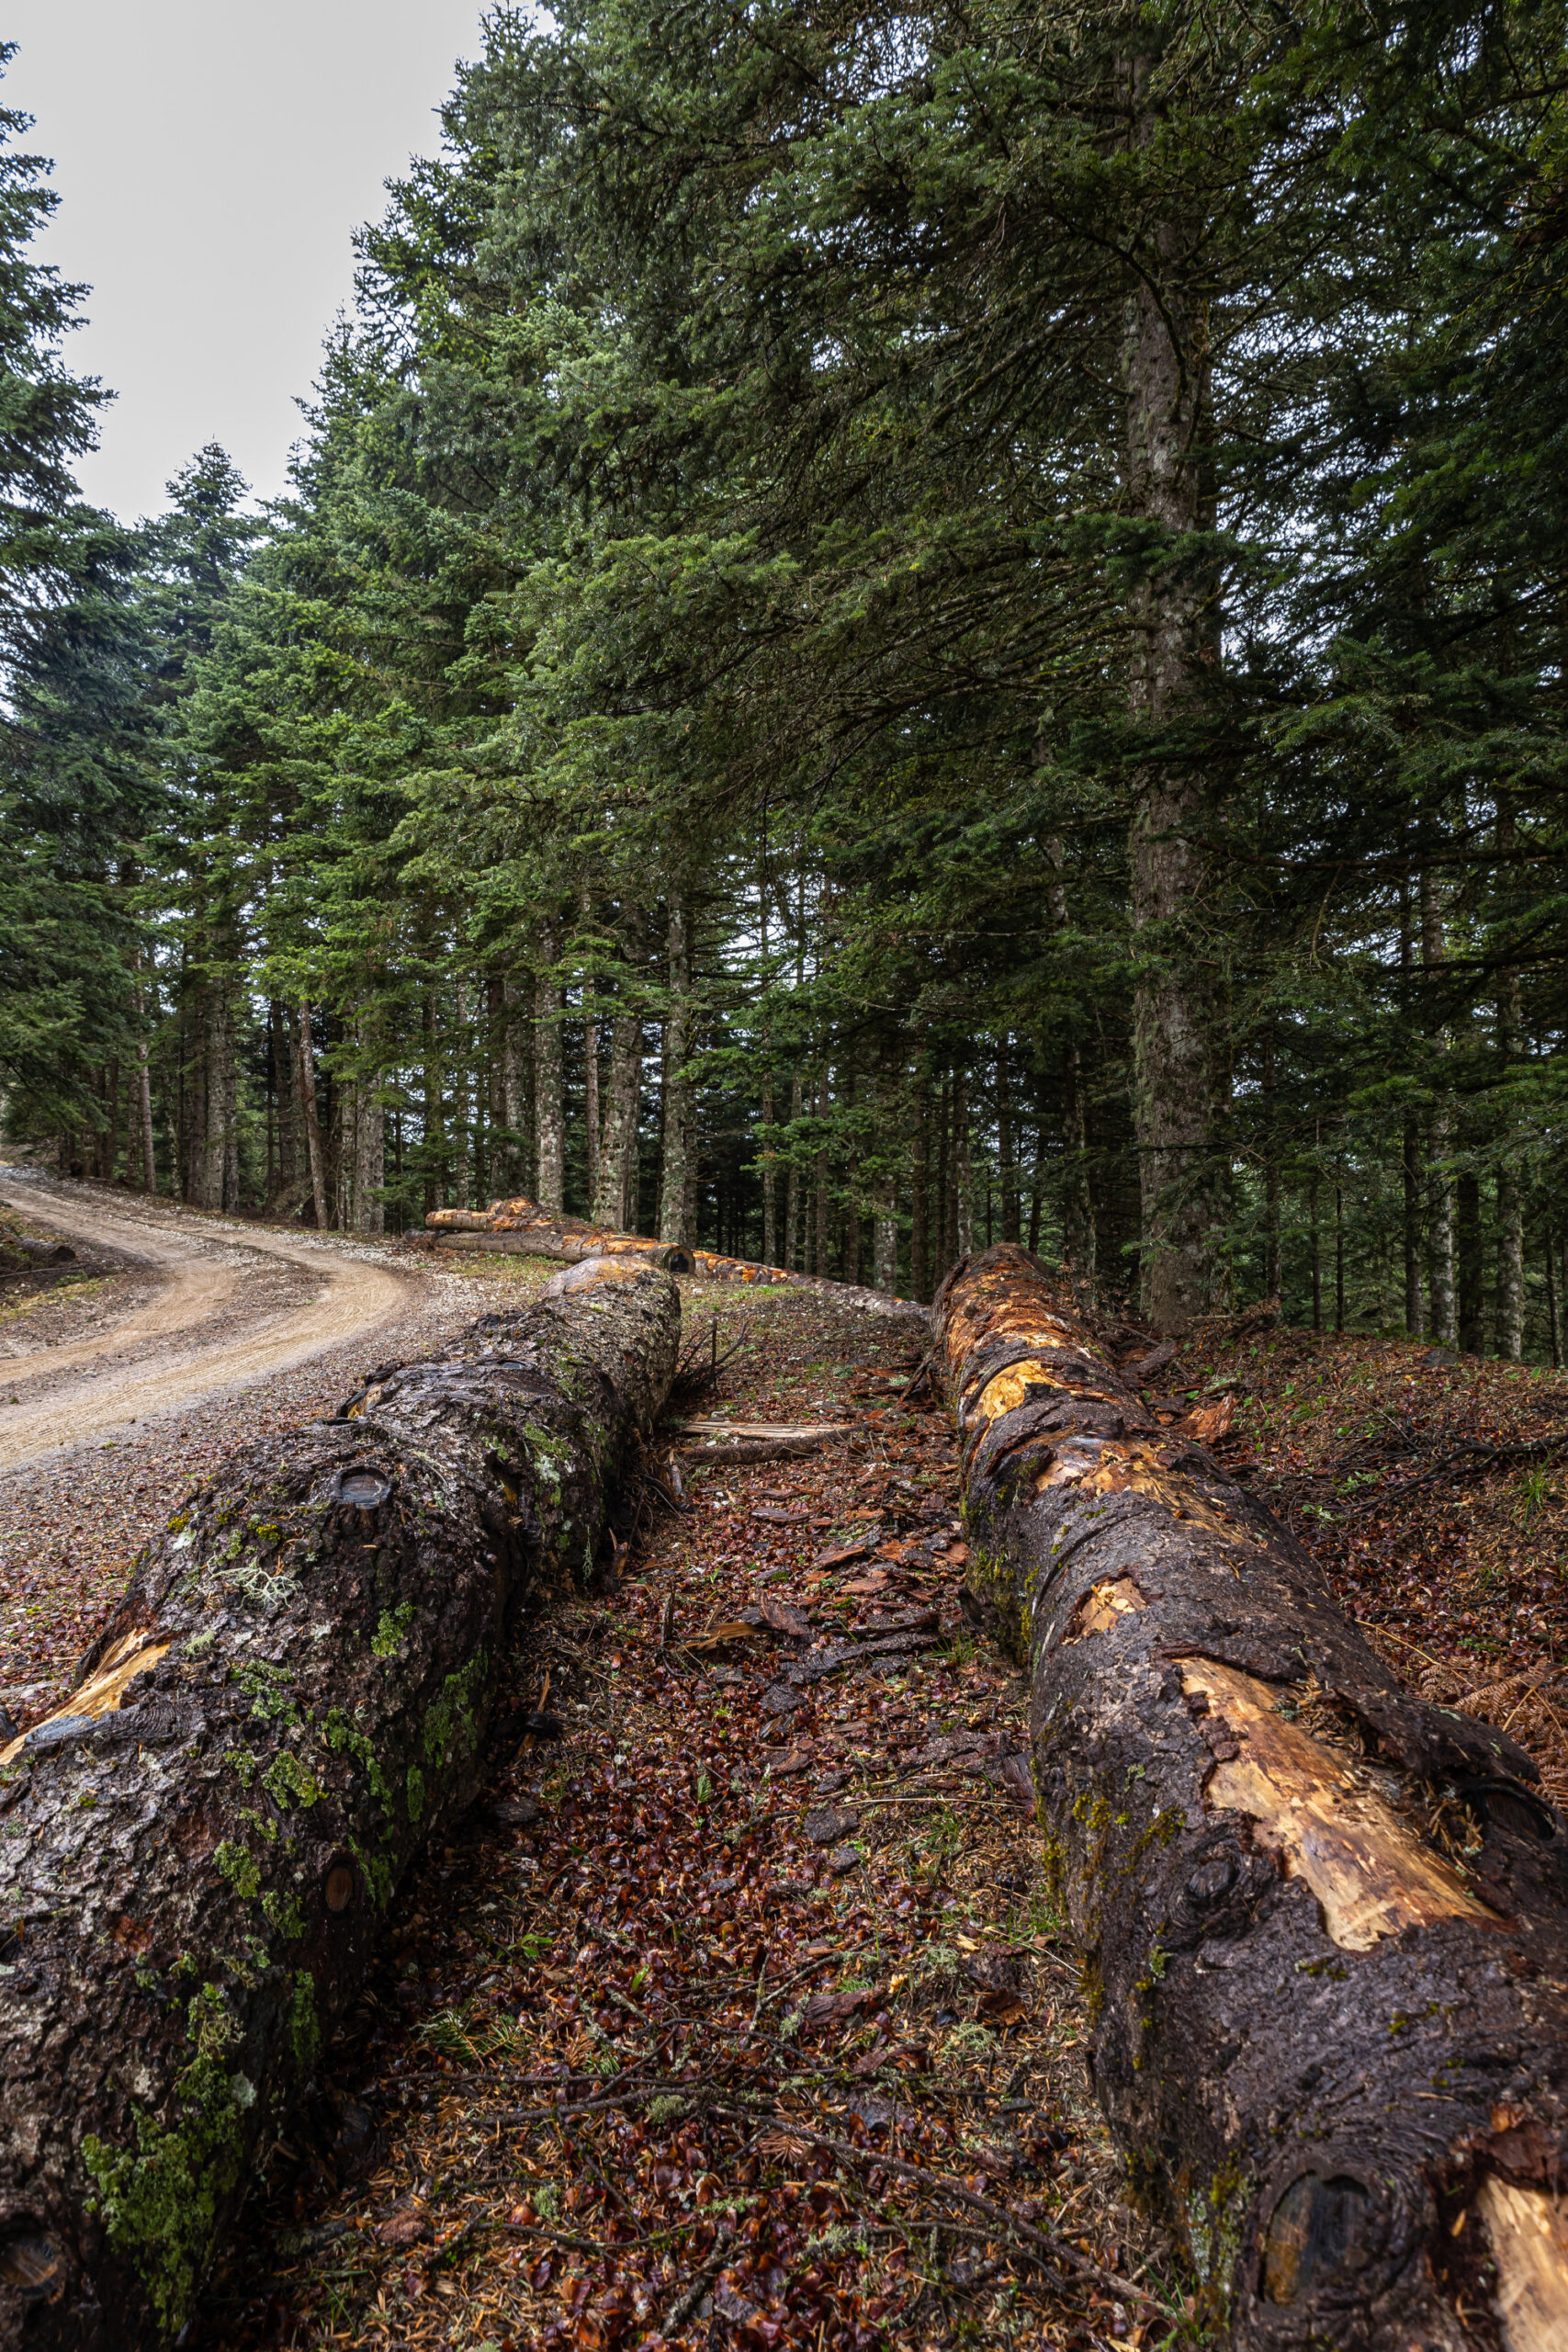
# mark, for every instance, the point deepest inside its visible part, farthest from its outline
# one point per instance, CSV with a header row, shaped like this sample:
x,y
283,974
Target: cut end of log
x,y
1369,1872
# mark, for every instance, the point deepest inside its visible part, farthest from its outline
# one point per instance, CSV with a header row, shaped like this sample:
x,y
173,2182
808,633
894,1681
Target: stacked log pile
x,y
199,1850
1324,1925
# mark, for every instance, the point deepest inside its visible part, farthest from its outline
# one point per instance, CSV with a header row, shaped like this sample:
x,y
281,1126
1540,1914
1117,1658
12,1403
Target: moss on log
x,y
1324,1925
198,1851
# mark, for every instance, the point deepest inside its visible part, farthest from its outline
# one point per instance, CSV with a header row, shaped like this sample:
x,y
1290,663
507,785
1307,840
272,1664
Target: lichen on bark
x,y
201,1856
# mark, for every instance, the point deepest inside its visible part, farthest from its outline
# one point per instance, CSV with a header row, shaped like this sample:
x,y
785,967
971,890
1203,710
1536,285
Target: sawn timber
x,y
198,1851
1324,1925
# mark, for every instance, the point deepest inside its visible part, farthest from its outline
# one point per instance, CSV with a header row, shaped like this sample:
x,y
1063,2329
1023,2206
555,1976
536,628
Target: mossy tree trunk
x,y
197,1856
1324,1925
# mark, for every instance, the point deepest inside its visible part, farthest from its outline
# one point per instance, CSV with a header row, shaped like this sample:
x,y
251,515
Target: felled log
x,y
197,1852
1324,1925
522,1228
732,1442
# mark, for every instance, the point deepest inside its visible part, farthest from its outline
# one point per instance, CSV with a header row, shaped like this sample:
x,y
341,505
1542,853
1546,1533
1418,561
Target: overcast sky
x,y
212,158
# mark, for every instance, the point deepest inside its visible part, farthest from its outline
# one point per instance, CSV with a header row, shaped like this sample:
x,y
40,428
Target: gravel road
x,y
213,1321
205,1333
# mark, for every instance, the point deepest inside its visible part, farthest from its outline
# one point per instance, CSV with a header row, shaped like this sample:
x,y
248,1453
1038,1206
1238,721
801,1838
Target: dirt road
x,y
218,1307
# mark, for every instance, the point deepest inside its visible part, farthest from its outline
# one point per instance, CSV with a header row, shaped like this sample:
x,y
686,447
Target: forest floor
x,y
725,2019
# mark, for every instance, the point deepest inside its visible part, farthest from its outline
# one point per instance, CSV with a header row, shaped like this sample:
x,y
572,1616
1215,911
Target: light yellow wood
x,y
1010,1387
1369,1872
1528,2231
131,1655
794,1429
1115,1465
1104,1605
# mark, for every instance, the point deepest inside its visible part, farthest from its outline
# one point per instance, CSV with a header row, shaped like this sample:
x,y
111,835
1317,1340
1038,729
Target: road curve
x,y
201,1270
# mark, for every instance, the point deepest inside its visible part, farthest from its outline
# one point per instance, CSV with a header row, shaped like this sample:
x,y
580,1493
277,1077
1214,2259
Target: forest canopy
x,y
895,627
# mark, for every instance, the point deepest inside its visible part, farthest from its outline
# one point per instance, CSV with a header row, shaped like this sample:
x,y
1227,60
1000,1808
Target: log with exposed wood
x,y
197,1851
1324,1924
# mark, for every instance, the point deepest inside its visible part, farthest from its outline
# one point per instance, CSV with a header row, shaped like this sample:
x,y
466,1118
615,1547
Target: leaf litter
x,y
723,2022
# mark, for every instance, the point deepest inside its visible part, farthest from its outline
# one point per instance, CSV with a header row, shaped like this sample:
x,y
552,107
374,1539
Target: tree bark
x,y
312,1126
202,1849
514,1157
1324,1925
793,1246
677,1093
144,1118
1007,1144
612,1203
1181,1063
549,1109
1440,1199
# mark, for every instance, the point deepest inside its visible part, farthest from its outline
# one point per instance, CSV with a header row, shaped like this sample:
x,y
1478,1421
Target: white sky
x,y
212,158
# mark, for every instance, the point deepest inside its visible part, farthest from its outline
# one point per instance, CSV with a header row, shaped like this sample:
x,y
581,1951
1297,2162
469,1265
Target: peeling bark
x,y
1324,1925
198,1853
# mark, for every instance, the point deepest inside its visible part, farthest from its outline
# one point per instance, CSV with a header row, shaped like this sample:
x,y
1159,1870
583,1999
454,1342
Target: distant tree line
x,y
895,627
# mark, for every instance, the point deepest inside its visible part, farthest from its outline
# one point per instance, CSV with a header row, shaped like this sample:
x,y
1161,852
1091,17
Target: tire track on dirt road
x,y
201,1335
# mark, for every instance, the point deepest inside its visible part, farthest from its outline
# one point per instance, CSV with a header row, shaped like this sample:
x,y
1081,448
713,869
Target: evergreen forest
x,y
895,627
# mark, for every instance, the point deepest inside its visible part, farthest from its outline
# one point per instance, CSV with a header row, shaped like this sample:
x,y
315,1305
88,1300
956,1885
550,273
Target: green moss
x,y
415,1795
453,1712
162,2202
241,1761
378,1874
287,1782
389,1632
1213,2230
337,1734
238,1865
268,1686
283,1912
304,2025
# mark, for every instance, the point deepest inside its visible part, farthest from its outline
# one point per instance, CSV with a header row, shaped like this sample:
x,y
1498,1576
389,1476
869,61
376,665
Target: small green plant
x,y
1535,1491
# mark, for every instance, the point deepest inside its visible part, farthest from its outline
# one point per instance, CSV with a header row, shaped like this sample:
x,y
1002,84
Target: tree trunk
x,y
793,1246
1006,1145
515,1160
1286,1943
315,1155
677,1094
618,1155
1180,1062
549,1109
1077,1203
1510,1264
1271,1264
1338,1254
819,1187
919,1187
144,1118
1440,1203
963,1170
291,1701
1410,1166
769,1170
1471,1267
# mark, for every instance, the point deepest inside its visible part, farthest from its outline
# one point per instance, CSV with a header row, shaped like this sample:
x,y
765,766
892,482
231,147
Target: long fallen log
x,y
199,1850
520,1227
1324,1925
